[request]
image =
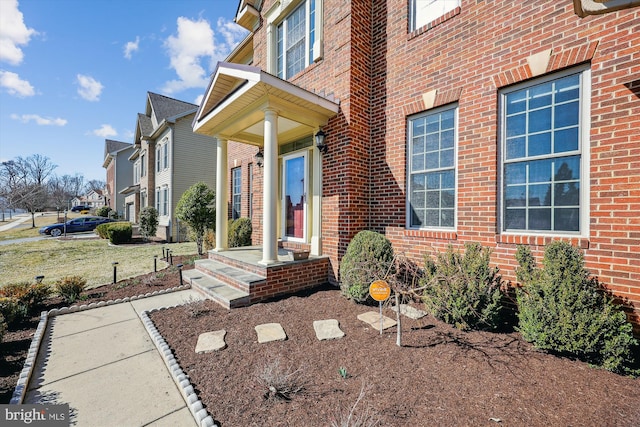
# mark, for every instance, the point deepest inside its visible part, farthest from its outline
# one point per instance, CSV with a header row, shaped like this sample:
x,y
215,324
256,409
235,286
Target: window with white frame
x,y
143,166
423,12
158,158
236,192
542,142
165,200
165,155
136,172
143,199
158,200
432,169
295,38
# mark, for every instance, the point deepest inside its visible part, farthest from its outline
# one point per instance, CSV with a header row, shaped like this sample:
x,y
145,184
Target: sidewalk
x,y
103,363
17,220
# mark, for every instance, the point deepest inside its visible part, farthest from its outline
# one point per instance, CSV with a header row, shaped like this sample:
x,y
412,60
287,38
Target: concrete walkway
x,y
103,363
16,221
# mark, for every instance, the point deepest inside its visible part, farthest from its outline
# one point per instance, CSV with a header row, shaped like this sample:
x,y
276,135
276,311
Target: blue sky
x,y
76,72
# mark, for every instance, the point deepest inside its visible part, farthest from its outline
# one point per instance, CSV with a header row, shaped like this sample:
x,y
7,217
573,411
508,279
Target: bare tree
x,y
94,184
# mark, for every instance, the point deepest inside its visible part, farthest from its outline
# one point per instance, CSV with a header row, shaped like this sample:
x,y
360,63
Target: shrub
x,y
119,232
70,287
369,257
148,222
462,289
102,230
240,232
11,309
28,294
104,211
209,240
279,382
564,310
196,209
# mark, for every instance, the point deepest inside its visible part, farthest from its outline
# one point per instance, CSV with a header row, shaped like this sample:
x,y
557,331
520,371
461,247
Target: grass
x,y
90,259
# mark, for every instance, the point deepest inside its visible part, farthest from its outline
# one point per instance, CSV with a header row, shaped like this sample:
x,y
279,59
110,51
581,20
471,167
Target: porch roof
x,y
234,103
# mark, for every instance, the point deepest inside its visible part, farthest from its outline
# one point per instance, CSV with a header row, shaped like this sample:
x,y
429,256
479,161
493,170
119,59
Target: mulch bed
x,y
16,342
441,376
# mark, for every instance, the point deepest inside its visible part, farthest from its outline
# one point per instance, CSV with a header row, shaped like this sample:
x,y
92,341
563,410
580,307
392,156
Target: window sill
x,y
431,234
518,239
433,24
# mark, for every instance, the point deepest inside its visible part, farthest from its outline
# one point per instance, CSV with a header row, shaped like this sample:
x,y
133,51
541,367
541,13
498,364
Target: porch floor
x,y
253,255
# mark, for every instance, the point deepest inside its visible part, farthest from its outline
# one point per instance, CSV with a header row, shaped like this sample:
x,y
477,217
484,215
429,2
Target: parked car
x,y
84,223
80,208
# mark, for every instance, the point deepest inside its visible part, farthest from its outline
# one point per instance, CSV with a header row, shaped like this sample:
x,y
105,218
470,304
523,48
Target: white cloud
x,y
15,85
41,121
105,131
194,43
131,47
13,32
199,99
90,89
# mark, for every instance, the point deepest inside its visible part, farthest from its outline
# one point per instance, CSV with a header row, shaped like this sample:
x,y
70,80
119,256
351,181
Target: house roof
x,y
165,107
111,146
237,95
144,125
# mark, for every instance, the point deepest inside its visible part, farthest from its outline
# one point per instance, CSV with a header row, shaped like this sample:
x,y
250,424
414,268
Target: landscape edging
x,y
27,369
200,415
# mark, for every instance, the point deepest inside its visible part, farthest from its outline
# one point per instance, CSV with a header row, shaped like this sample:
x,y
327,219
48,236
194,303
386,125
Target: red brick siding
x,y
476,52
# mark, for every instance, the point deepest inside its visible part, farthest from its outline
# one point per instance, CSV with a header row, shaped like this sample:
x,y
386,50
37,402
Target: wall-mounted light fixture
x,y
320,137
259,158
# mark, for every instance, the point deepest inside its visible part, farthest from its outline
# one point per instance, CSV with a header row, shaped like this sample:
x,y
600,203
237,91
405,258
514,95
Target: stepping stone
x,y
410,311
211,341
373,319
268,332
327,329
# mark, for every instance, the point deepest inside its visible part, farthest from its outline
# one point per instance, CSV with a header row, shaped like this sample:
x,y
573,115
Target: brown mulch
x,y
16,341
440,377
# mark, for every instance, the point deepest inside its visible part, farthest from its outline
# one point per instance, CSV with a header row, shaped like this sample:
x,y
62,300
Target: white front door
x,y
294,200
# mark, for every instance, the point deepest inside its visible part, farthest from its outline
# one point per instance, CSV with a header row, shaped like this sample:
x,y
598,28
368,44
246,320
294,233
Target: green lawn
x,y
91,259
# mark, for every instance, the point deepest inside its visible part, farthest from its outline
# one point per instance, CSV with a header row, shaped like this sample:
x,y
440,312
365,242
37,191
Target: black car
x,y
80,208
84,223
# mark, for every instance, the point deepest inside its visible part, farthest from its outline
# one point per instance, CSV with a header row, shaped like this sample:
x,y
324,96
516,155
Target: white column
x,y
222,184
316,205
270,192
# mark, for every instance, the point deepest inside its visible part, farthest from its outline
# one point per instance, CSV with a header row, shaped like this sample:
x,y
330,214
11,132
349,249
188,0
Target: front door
x,y
294,201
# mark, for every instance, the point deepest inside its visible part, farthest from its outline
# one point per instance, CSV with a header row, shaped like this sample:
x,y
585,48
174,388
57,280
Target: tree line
x,y
30,183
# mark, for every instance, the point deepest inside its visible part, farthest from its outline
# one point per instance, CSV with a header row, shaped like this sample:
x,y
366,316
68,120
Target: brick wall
x,y
481,48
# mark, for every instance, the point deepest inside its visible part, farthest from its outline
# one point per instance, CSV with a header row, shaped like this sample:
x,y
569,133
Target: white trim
x,y
584,71
305,197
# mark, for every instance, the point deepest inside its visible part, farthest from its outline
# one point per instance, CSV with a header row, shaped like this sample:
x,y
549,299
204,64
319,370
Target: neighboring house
x,y
119,174
94,199
446,122
168,159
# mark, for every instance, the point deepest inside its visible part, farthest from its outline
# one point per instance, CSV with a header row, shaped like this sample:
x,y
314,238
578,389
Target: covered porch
x,y
247,105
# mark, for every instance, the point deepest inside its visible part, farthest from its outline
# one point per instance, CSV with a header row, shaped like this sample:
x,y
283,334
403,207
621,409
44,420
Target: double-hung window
x,y
158,200
542,142
295,38
423,12
158,159
432,169
165,200
165,155
236,192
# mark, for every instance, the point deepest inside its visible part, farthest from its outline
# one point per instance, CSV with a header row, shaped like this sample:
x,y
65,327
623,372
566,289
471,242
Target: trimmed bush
x,y
30,295
462,289
564,310
103,211
148,222
70,287
240,232
116,232
369,257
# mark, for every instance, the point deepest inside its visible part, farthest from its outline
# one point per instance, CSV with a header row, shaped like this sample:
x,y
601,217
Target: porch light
x,y
259,158
320,136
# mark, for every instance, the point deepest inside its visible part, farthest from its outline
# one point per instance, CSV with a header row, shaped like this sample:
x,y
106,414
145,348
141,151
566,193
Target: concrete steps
x,y
225,295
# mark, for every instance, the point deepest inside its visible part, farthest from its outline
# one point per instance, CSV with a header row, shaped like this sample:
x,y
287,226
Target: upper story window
x,y
165,155
158,158
432,169
136,172
143,166
544,127
295,38
423,12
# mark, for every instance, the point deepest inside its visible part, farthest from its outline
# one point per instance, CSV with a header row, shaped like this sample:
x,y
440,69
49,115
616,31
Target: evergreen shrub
x,y
462,289
563,309
70,287
240,232
369,257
